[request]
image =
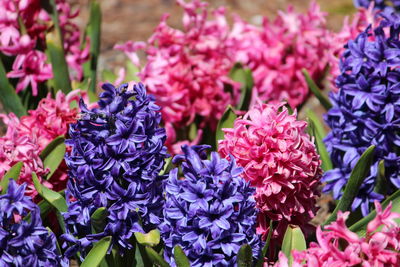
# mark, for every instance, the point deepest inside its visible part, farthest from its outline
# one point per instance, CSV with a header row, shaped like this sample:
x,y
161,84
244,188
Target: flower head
x,y
365,111
24,242
209,211
28,136
116,156
338,246
280,160
279,50
188,70
378,4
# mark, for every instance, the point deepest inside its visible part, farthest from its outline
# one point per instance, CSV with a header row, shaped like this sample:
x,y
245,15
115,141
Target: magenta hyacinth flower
x,y
280,160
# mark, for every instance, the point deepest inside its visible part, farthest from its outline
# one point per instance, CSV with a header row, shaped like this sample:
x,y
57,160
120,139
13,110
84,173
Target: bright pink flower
x,y
28,136
278,51
188,70
339,247
280,160
31,69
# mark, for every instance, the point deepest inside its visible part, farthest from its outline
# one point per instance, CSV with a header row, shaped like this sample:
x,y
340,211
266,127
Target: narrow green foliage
x,y
357,177
245,256
53,155
12,173
97,253
227,120
325,102
8,96
264,250
245,78
156,258
180,257
151,238
293,240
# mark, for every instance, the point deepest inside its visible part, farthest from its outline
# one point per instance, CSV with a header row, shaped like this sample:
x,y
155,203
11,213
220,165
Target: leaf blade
x,y
12,173
245,257
181,259
325,102
53,155
293,240
97,253
227,121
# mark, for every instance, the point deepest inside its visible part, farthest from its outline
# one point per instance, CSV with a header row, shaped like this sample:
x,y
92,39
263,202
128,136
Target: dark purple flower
x,y
210,211
378,4
366,111
24,242
117,154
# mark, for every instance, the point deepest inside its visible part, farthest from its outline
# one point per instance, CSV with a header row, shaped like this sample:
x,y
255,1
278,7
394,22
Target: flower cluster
x,y
338,246
210,211
188,70
378,4
27,136
366,111
24,242
278,51
280,160
360,21
117,154
23,27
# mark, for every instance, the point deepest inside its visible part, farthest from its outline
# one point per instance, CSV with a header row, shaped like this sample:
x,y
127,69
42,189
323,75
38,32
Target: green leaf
x,y
381,186
151,239
293,240
167,166
180,257
155,258
325,102
98,219
8,96
55,52
360,226
316,131
53,155
227,121
12,173
97,253
108,76
357,176
264,250
245,256
245,78
54,198
94,32
131,72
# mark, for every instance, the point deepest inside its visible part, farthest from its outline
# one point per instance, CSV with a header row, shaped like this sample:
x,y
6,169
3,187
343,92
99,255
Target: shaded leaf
x,y
264,250
180,257
227,121
244,257
325,102
97,253
12,173
156,258
245,78
381,186
99,219
293,240
53,155
357,176
8,96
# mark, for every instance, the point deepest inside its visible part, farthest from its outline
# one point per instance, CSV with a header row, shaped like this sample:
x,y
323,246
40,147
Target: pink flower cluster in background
x,y
280,160
23,28
338,246
277,51
188,70
26,138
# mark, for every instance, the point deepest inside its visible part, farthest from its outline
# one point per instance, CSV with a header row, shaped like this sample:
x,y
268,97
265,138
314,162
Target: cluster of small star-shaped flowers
x,y
23,28
366,112
116,156
24,242
280,160
378,4
209,211
277,52
338,246
188,71
350,30
28,136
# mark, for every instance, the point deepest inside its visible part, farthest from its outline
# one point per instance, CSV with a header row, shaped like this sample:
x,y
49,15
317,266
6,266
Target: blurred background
x,y
135,20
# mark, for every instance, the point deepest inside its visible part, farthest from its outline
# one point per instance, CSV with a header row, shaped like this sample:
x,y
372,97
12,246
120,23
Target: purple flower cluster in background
x,y
24,242
210,211
378,4
366,111
117,154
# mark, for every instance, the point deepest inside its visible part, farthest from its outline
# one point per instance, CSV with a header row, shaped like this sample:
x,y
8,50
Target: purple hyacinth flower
x,y
25,242
117,154
366,111
210,211
378,4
